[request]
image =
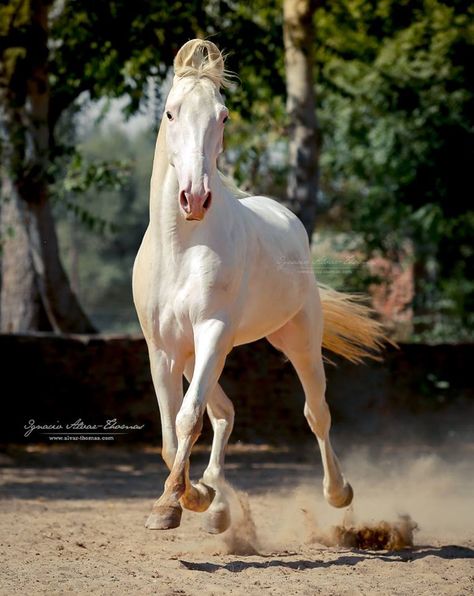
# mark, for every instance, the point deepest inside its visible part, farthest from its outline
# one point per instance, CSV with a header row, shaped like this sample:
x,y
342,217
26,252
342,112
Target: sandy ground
x,y
72,521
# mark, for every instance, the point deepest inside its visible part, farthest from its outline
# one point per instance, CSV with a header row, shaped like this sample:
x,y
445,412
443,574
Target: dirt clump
x,y
382,535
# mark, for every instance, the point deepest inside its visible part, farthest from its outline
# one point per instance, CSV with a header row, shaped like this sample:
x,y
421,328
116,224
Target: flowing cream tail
x,y
349,327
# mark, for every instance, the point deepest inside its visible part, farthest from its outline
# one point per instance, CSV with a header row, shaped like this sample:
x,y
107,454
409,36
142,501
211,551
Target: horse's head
x,y
196,116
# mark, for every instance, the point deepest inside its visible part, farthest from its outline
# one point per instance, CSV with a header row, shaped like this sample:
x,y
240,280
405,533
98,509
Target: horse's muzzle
x,y
194,206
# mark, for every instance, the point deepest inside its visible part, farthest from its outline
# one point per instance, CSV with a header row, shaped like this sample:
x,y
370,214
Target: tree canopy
x,y
396,100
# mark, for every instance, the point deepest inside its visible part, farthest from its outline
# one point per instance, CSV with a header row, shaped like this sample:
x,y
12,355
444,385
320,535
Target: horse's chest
x,y
177,303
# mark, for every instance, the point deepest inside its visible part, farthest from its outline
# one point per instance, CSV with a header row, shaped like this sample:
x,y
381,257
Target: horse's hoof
x,y
198,497
164,517
342,500
217,519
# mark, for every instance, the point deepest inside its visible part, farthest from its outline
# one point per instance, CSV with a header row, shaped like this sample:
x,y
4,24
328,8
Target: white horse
x,y
216,269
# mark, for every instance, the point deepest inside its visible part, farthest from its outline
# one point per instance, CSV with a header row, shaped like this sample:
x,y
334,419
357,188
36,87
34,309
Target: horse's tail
x,y
349,327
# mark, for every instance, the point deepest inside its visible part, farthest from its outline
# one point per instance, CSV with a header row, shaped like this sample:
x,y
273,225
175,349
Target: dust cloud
x,y
402,499
241,538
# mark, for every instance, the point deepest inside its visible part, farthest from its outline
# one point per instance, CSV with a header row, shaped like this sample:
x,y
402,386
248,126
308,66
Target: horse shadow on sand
x,y
349,558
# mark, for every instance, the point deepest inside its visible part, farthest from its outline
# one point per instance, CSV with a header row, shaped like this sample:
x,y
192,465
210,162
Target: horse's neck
x,y
165,225
159,172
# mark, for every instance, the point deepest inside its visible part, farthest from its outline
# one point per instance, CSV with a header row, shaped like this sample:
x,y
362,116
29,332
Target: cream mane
x,y
201,58
232,187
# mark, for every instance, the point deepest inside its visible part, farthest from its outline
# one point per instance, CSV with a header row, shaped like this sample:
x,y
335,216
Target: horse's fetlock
x,y
214,476
175,486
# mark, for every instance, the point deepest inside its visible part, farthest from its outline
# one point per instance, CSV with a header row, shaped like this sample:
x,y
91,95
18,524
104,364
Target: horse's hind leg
x,y
221,414
300,340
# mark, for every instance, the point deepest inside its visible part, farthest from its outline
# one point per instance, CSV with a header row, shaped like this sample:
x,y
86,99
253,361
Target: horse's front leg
x,y
167,375
221,414
212,344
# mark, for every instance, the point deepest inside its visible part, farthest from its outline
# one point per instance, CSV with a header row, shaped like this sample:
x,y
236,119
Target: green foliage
x,y
100,261
102,175
396,106
251,36
14,29
84,178
112,47
255,153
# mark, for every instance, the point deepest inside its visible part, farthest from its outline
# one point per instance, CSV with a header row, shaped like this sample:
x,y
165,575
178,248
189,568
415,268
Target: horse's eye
x,y
169,115
225,119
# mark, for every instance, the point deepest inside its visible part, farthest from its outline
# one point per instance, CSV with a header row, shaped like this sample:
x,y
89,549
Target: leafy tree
x,y
396,107
35,289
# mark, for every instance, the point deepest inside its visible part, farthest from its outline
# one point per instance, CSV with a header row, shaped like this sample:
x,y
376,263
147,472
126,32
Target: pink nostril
x,y
207,200
194,205
183,200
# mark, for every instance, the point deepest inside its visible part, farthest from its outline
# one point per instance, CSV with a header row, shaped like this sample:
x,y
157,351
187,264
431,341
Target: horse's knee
x,y
189,422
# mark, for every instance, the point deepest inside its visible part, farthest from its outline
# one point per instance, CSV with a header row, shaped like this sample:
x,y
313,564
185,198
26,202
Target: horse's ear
x,y
199,53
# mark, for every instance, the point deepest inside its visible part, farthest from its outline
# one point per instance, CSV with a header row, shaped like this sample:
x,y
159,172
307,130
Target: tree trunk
x,y
304,141
34,282
21,309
